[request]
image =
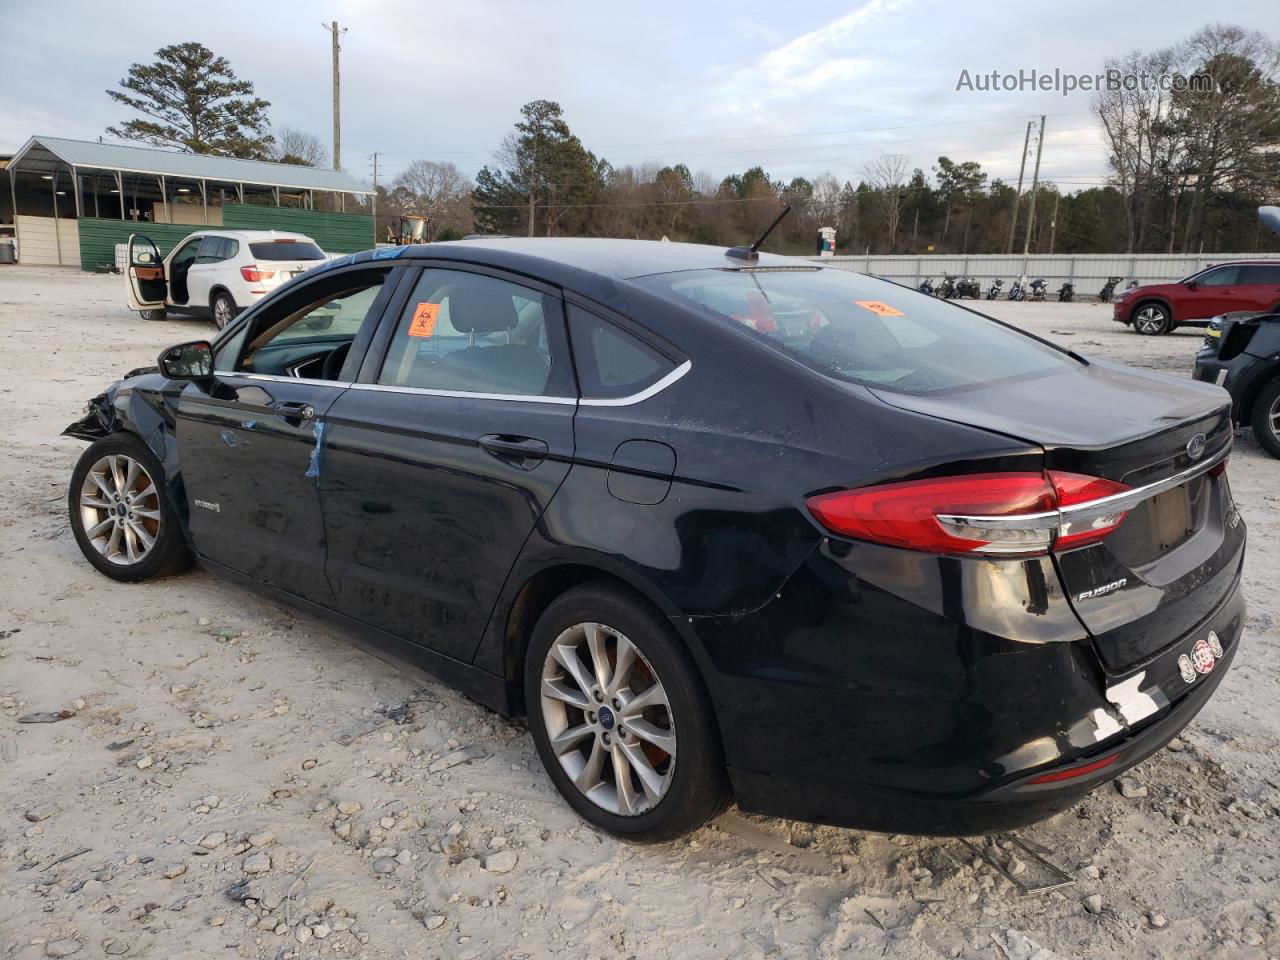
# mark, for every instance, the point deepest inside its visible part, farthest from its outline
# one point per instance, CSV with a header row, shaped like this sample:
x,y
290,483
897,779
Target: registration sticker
x,y
424,320
878,308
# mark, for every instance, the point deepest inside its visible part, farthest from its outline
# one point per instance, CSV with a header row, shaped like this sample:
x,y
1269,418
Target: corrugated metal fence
x,y
1088,271
335,232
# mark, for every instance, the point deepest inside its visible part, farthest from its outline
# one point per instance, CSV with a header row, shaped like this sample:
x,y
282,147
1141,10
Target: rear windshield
x,y
285,250
864,330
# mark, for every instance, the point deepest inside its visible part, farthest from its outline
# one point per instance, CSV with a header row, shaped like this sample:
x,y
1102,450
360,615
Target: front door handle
x,y
523,452
295,411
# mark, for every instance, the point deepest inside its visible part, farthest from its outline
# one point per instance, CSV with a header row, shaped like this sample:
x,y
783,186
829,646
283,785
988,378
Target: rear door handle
x,y
523,452
295,411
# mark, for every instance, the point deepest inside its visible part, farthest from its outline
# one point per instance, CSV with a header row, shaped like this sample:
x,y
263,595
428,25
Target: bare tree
x,y
1140,138
299,147
438,190
887,177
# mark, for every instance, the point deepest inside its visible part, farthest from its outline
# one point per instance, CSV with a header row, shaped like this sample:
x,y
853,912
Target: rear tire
x,y
152,314
1266,417
1151,320
667,792
222,308
122,514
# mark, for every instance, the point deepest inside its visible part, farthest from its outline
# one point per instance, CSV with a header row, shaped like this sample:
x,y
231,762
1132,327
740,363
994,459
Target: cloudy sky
x,y
801,89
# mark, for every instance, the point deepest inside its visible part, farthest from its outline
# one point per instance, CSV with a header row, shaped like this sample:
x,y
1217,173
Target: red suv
x,y
1239,285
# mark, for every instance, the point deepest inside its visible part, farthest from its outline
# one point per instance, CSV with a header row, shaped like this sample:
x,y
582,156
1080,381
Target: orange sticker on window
x,y
878,308
424,320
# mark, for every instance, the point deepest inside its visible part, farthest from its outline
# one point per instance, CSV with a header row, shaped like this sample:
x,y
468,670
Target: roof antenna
x,y
752,252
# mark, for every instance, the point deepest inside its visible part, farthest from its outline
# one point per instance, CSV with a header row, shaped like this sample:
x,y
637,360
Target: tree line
x,y
1187,170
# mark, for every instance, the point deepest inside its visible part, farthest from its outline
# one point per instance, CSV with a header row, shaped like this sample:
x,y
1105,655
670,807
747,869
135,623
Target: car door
x,y
178,266
146,283
1258,287
251,440
1214,293
200,275
443,455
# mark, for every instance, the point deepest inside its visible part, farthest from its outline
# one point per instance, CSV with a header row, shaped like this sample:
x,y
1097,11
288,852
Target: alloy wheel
x,y
120,509
1149,320
608,719
1273,418
221,312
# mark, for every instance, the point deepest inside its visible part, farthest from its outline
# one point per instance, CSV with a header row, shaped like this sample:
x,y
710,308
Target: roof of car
x,y
616,259
250,235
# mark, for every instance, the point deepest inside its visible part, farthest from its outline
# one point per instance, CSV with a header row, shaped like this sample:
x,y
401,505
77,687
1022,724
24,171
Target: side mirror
x,y
1193,284
188,361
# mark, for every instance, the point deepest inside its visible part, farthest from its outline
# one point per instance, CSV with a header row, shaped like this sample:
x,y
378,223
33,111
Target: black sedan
x,y
722,526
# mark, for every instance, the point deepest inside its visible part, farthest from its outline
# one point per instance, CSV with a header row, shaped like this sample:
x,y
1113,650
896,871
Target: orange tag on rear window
x,y
878,308
424,320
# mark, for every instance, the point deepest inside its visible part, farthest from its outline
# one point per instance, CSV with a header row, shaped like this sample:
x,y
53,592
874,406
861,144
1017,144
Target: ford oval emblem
x,y
1195,446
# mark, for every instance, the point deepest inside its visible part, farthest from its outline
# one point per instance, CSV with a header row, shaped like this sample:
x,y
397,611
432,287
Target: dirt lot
x,y
237,780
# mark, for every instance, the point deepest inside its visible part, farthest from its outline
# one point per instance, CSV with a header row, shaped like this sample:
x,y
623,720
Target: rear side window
x,y
1260,274
285,250
472,333
611,362
863,330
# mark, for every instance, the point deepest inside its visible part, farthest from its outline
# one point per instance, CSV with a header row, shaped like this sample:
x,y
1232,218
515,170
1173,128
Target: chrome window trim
x,y
272,378
1083,513
652,390
463,394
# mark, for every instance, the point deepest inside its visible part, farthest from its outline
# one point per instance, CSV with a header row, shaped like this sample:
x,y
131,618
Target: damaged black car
x,y
723,526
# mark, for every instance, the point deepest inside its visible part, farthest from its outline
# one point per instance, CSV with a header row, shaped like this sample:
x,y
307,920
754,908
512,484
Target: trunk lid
x,y
1176,556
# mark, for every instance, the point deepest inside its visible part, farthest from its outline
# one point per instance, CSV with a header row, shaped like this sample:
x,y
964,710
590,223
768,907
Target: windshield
x,y
864,330
285,250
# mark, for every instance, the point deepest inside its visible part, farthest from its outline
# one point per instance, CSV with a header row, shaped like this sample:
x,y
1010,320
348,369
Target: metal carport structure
x,y
53,176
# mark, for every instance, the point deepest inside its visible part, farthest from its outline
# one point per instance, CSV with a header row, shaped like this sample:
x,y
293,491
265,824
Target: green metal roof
x,y
45,154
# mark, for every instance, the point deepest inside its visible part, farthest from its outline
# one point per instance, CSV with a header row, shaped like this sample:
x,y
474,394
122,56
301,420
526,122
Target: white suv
x,y
215,273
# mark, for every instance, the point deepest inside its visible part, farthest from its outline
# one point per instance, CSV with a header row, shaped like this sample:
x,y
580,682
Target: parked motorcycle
x,y
947,289
993,293
1066,292
969,287
1016,292
1109,289
1037,288
926,286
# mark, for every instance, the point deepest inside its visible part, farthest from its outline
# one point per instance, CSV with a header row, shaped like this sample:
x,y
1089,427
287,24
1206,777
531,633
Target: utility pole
x,y
1017,200
1031,207
1053,221
337,124
375,199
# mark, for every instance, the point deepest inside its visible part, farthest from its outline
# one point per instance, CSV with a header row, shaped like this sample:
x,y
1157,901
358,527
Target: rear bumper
x,y
871,712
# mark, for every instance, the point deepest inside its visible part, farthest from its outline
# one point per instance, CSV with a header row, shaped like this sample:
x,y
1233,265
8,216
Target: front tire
x,y
1266,417
1151,320
223,309
121,513
620,716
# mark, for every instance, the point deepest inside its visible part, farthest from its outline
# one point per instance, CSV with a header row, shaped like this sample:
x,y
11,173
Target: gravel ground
x,y
238,780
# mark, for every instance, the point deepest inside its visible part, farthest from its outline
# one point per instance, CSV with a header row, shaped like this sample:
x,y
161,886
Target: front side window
x,y
864,330
308,332
473,333
187,252
1220,276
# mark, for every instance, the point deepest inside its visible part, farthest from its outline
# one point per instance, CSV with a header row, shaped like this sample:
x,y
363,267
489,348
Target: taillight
x,y
254,275
984,513
1219,468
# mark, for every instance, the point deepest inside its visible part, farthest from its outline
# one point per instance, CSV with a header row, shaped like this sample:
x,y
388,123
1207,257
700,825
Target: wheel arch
x,y
1268,375
513,620
218,288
